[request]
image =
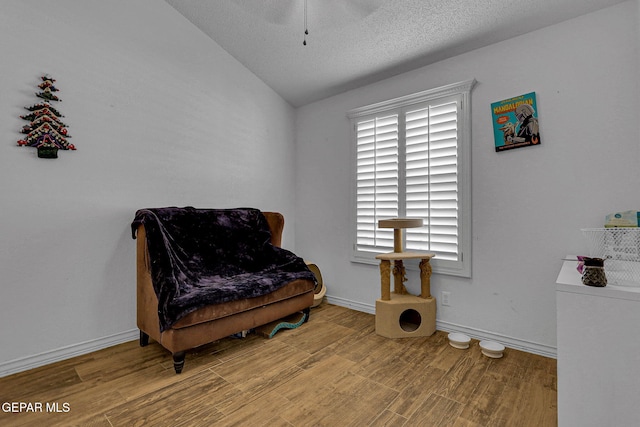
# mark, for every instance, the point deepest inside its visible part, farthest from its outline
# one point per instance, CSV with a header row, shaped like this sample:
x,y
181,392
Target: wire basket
x,y
620,248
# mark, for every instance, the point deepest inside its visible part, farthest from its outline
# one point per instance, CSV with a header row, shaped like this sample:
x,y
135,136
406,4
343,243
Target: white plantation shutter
x,y
377,181
432,179
412,160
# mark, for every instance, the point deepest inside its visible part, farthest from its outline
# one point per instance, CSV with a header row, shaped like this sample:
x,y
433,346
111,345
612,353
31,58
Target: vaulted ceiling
x,y
355,42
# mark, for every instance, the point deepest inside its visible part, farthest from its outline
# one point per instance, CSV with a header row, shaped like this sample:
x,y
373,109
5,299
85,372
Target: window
x,y
412,159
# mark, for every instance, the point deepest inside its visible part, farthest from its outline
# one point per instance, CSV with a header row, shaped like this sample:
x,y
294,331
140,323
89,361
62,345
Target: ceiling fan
x,y
317,14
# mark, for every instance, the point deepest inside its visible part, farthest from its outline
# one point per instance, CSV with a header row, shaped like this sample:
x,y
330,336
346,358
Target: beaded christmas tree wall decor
x,y
45,130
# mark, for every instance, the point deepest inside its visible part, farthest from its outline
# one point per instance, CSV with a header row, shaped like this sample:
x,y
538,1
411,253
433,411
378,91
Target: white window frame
x,y
461,92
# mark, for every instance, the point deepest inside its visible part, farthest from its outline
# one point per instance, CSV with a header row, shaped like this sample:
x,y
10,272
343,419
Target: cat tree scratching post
x,y
400,314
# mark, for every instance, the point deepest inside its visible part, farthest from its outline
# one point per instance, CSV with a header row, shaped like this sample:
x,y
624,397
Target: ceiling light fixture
x,y
306,30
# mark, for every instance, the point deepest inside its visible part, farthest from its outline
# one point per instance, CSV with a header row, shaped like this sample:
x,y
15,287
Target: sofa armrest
x,y
276,225
146,299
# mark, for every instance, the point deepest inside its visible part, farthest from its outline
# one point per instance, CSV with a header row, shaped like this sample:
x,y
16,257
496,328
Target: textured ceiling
x,y
356,42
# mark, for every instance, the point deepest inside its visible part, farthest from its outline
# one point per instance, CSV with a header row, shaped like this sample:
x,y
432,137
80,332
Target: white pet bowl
x,y
458,340
492,349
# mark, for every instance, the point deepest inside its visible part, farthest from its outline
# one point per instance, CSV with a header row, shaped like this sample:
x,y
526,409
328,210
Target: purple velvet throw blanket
x,y
200,257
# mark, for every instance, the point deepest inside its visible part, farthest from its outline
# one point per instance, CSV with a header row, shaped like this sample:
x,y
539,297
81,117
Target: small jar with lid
x,y
593,272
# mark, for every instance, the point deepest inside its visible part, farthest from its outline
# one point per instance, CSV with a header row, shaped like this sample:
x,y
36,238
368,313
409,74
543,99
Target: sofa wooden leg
x,y
307,313
178,361
144,339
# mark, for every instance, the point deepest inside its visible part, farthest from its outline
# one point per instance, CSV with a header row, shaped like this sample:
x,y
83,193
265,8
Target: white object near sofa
x,y
598,352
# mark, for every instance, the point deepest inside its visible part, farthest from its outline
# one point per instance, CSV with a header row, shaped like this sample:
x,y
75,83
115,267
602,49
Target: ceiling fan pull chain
x,y
306,30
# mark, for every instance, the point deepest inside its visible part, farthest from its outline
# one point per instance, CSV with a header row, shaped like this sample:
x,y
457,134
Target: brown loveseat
x,y
216,321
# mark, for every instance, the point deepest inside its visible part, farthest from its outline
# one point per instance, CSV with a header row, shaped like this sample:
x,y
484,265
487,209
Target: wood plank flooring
x,y
332,371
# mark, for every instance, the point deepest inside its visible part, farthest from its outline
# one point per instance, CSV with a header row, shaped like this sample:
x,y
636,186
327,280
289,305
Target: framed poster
x,y
515,122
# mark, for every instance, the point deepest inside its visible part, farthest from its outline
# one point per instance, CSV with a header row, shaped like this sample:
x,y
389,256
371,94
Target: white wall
x,y
528,204
161,115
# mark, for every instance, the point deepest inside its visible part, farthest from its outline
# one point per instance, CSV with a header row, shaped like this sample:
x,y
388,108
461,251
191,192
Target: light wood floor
x,y
332,371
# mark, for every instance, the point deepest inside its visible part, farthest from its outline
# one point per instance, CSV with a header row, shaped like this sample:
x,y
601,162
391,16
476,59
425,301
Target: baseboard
x,y
479,334
35,361
30,362
358,306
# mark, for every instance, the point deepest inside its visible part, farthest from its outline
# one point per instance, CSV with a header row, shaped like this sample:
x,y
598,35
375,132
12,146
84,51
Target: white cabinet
x,y
598,353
